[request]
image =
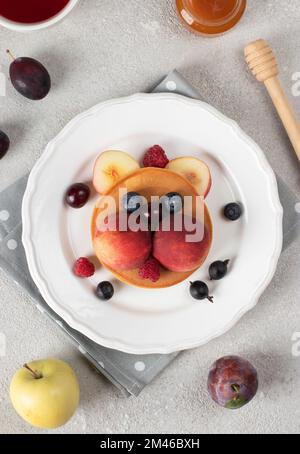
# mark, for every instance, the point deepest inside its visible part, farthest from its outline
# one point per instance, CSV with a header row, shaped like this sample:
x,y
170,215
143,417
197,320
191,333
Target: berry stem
x,y
235,388
10,54
211,299
36,375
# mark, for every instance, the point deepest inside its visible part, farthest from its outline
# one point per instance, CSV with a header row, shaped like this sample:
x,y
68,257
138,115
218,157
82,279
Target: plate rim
x,y
116,343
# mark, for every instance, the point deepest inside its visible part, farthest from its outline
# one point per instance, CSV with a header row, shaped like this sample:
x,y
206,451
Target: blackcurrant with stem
x,y
218,270
199,291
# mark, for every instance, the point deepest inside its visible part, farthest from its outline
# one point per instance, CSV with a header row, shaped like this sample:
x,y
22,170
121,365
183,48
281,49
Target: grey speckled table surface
x,y
109,48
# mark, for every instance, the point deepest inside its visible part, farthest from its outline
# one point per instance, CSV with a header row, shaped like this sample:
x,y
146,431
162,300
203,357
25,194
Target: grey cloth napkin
x,y
130,373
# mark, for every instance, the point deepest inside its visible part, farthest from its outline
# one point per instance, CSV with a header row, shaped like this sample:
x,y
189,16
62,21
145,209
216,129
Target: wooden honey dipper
x,y
262,62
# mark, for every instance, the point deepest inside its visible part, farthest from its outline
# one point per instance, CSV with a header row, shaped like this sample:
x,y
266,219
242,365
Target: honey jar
x,y
210,17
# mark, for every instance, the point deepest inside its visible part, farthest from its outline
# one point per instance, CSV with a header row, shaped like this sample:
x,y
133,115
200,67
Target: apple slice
x,y
110,167
195,171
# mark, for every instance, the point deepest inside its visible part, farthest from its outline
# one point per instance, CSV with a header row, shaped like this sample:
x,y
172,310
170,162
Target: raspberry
x,y
150,270
156,157
84,268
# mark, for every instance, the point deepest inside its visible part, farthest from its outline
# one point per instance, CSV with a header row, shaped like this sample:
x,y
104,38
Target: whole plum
x,y
232,382
4,144
29,77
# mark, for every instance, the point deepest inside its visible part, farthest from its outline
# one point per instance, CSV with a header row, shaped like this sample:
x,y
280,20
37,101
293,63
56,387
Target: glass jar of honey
x,y
211,17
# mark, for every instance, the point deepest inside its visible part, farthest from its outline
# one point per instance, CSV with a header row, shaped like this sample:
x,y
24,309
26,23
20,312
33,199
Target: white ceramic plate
x,y
153,321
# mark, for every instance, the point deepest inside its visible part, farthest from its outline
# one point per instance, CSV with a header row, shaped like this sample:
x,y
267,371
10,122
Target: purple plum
x,y
232,382
4,144
30,78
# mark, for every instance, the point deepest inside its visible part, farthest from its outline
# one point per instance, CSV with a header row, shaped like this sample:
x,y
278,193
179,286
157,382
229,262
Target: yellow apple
x,y
45,393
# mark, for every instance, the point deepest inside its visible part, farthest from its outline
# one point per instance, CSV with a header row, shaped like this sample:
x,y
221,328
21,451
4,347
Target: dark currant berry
x,y
105,291
199,291
132,201
77,195
173,202
218,270
233,211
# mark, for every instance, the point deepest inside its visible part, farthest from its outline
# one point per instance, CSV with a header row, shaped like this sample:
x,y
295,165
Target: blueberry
x,y
173,202
132,201
105,291
218,270
233,211
199,291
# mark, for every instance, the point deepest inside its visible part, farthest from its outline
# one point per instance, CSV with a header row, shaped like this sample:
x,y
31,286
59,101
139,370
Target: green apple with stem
x,y
45,393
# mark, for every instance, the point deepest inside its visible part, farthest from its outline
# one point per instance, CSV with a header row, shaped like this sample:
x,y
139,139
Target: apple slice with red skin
x,y
195,171
110,167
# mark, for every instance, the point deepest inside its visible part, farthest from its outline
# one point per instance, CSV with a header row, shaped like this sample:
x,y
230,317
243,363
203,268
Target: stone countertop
x,y
112,48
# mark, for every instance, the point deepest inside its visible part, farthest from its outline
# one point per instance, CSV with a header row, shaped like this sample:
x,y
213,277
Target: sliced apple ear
x,y
110,167
195,171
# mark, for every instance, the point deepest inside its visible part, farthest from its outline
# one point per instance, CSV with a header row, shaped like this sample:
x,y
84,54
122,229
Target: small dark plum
x,y
77,195
199,291
232,382
233,211
218,270
30,78
4,144
173,202
105,291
